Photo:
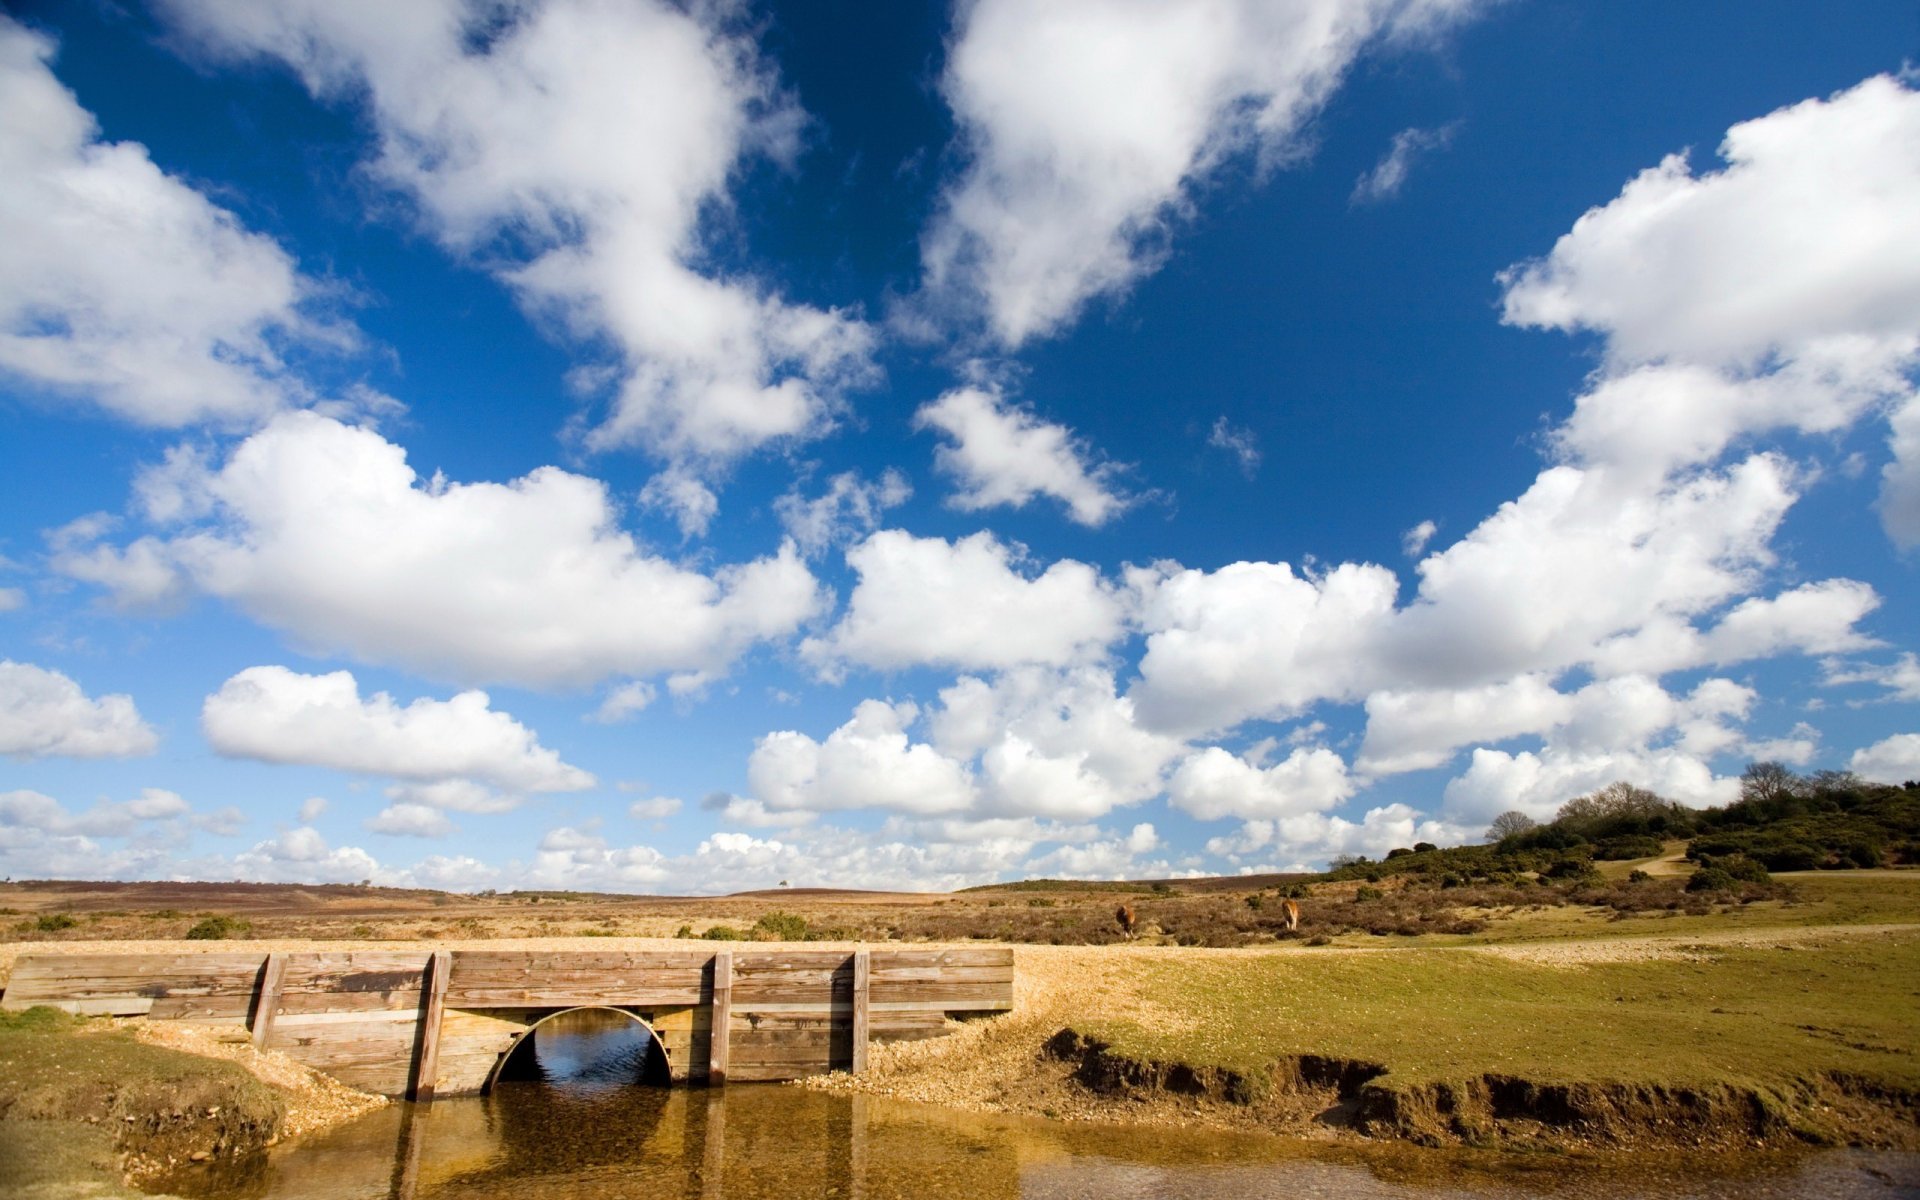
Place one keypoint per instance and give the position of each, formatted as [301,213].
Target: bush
[1423,847]
[685,931]
[213,929]
[1711,879]
[1621,848]
[724,933]
[780,927]
[1369,893]
[1638,876]
[55,922]
[1255,902]
[1568,868]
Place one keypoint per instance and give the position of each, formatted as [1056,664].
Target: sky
[684,448]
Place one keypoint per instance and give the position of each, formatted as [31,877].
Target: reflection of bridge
[413,1023]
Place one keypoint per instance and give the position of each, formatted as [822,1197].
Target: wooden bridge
[420,1024]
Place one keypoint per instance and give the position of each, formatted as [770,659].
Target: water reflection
[762,1142]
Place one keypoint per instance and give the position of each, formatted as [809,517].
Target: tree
[1510,824]
[1619,801]
[1768,782]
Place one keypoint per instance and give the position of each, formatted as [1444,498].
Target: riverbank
[1729,1039]
[100,1108]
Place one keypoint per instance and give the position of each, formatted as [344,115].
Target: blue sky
[612,444]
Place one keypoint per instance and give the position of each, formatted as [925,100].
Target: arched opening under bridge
[591,1047]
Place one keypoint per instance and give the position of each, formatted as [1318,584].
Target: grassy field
[1766,1015]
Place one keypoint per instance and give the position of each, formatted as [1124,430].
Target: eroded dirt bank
[1042,1059]
[94,1108]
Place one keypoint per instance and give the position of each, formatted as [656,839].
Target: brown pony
[1124,915]
[1290,915]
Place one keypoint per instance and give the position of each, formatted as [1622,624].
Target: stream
[570,1119]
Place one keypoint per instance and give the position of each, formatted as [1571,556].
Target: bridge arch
[658,1048]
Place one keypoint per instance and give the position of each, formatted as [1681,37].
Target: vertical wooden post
[268,1001]
[722,1017]
[433,1006]
[862,970]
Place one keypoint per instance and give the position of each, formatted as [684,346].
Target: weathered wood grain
[718,1039]
[267,1005]
[862,1014]
[433,1004]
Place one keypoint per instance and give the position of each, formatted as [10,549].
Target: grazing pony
[1124,915]
[1290,915]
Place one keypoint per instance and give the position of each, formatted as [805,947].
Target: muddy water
[579,1124]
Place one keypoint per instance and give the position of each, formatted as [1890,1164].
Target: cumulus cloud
[410,820]
[1782,291]
[1620,729]
[848,510]
[1214,783]
[322,530]
[869,762]
[1306,840]
[1384,181]
[1891,760]
[930,601]
[280,716]
[42,838]
[1414,541]
[1412,731]
[302,855]
[1087,123]
[45,714]
[501,124]
[1001,453]
[124,287]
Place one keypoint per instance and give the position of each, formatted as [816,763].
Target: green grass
[1764,1016]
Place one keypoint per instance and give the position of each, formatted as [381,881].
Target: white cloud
[322,530]
[1305,841]
[43,814]
[1002,453]
[1891,760]
[276,715]
[302,855]
[1901,677]
[311,808]
[122,286]
[1414,541]
[1782,291]
[848,510]
[690,503]
[867,763]
[1087,122]
[453,795]
[1900,478]
[624,701]
[1807,234]
[930,601]
[1254,639]
[45,714]
[1412,731]
[12,599]
[410,820]
[1618,729]
[1389,175]
[578,147]
[1214,783]
[654,808]
[1238,442]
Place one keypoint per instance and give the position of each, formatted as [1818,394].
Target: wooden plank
[433,1005]
[39,978]
[722,1017]
[354,971]
[862,973]
[267,1006]
[577,994]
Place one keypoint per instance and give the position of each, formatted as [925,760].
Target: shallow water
[583,1128]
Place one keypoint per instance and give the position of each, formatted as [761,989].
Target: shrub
[1040,902]
[685,931]
[1255,902]
[213,929]
[1423,847]
[1617,849]
[1568,868]
[1711,879]
[1369,893]
[1638,876]
[723,933]
[780,927]
[1398,852]
[55,922]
